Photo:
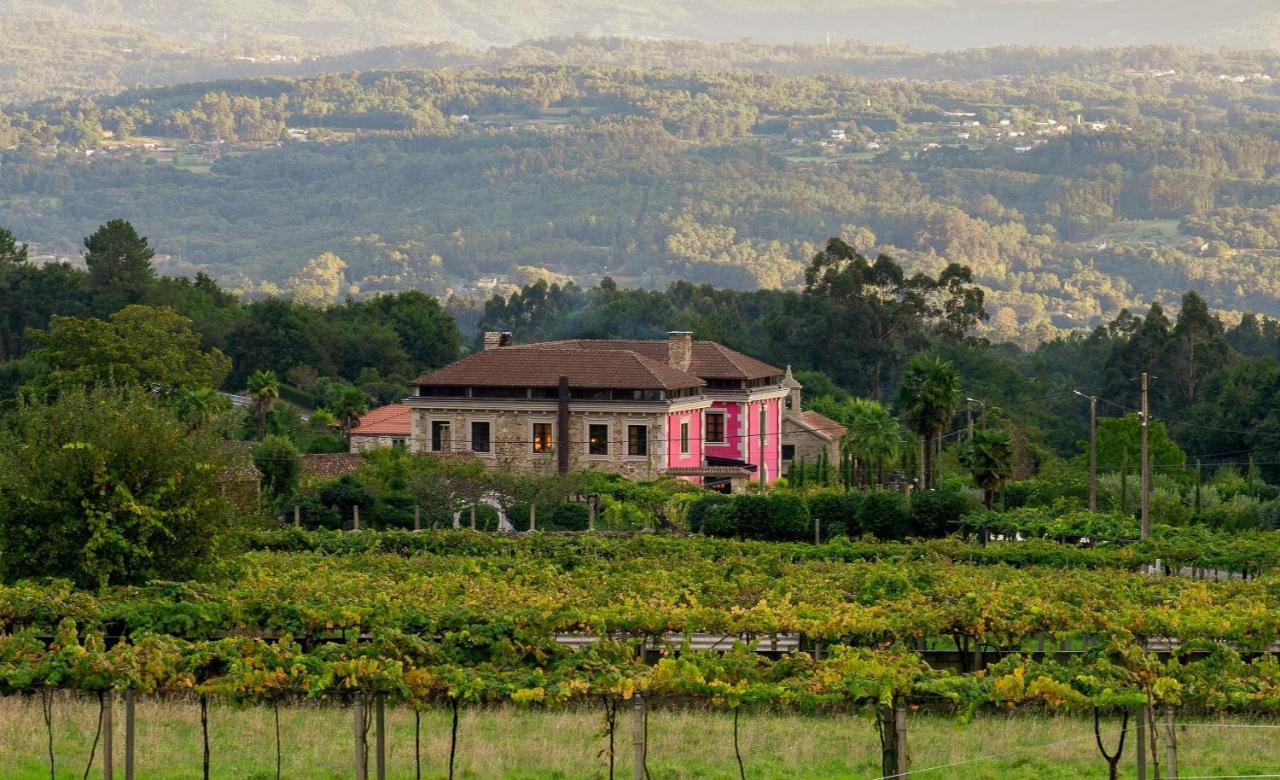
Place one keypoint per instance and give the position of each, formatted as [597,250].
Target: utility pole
[1146,460]
[1093,449]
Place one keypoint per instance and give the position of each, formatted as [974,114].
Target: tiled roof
[331,465]
[824,426]
[707,471]
[709,359]
[543,367]
[392,420]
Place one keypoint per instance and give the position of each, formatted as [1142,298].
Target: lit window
[541,437]
[598,439]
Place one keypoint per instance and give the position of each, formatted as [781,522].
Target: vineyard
[455,620]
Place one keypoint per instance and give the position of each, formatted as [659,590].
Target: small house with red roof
[386,426]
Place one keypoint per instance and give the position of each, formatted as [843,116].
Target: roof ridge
[649,364]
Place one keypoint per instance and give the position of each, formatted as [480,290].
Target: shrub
[393,511]
[937,512]
[278,464]
[347,492]
[835,513]
[751,515]
[885,515]
[721,520]
[313,514]
[788,518]
[568,517]
[701,509]
[107,487]
[1269,515]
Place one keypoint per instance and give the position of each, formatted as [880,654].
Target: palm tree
[348,406]
[928,397]
[874,437]
[199,406]
[989,457]
[264,389]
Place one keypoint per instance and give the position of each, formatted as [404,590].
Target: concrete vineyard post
[1141,735]
[357,722]
[380,726]
[417,517]
[297,516]
[638,734]
[900,737]
[108,736]
[355,517]
[128,734]
[1170,745]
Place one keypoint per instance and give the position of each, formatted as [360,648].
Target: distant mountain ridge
[330,26]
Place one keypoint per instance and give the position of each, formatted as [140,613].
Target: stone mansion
[696,410]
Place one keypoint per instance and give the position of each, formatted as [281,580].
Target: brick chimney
[680,350]
[494,338]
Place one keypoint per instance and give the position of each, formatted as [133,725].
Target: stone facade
[512,435]
[361,443]
[804,444]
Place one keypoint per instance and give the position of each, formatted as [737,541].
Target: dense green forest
[850,331]
[1072,193]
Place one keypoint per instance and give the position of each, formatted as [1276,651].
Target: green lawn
[510,743]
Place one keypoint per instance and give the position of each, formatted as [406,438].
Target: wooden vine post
[355,517]
[128,734]
[900,736]
[297,516]
[417,517]
[891,722]
[639,737]
[380,739]
[108,736]
[357,722]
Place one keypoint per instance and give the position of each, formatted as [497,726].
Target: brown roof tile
[707,471]
[543,367]
[710,360]
[330,465]
[392,420]
[824,426]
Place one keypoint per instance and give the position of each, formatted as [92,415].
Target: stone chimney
[494,339]
[680,350]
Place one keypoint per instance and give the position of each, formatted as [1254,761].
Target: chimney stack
[680,350]
[494,339]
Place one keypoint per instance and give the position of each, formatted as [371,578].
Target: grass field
[511,743]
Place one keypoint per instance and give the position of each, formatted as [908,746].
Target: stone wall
[512,438]
[809,445]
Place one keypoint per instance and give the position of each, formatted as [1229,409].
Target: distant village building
[388,426]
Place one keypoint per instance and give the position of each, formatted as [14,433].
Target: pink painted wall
[732,448]
[772,441]
[741,425]
[694,456]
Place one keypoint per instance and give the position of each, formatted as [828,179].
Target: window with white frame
[481,436]
[715,428]
[542,438]
[598,439]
